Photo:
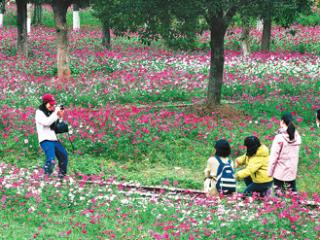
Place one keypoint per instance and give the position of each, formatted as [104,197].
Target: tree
[283,12]
[266,30]
[60,8]
[160,17]
[22,42]
[245,35]
[218,20]
[37,12]
[113,14]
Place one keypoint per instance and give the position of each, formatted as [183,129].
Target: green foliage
[8,48]
[309,20]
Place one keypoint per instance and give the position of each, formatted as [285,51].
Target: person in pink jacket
[284,156]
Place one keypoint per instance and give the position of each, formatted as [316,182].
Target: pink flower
[264,221]
[3,198]
[166,182]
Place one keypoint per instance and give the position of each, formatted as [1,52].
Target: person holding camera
[47,119]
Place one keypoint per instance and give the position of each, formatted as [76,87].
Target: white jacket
[43,125]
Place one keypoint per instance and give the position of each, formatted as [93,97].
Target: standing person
[219,171]
[255,172]
[284,157]
[46,117]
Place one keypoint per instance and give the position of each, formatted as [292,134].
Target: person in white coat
[46,116]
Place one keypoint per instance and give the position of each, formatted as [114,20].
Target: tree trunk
[37,13]
[22,41]
[218,29]
[2,10]
[60,15]
[106,39]
[76,18]
[29,16]
[266,33]
[245,37]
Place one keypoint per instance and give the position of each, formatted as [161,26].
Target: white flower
[31,209]
[26,141]
[124,201]
[71,196]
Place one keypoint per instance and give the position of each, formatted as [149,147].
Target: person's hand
[237,177]
[236,164]
[60,113]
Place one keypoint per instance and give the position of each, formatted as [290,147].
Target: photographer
[47,116]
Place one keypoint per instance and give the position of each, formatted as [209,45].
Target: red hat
[48,98]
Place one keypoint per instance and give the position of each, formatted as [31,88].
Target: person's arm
[274,154]
[212,167]
[211,172]
[42,119]
[241,160]
[252,167]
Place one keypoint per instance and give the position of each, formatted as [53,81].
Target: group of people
[260,169]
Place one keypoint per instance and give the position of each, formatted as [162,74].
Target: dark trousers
[284,186]
[53,149]
[247,180]
[260,188]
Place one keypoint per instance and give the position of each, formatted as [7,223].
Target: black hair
[45,110]
[288,120]
[318,114]
[252,143]
[222,148]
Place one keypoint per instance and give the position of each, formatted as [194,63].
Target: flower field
[75,209]
[136,114]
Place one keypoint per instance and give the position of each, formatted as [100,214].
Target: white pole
[1,20]
[29,13]
[76,21]
[259,26]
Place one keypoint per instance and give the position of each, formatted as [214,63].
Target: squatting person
[255,172]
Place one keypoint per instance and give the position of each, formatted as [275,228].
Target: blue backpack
[226,182]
